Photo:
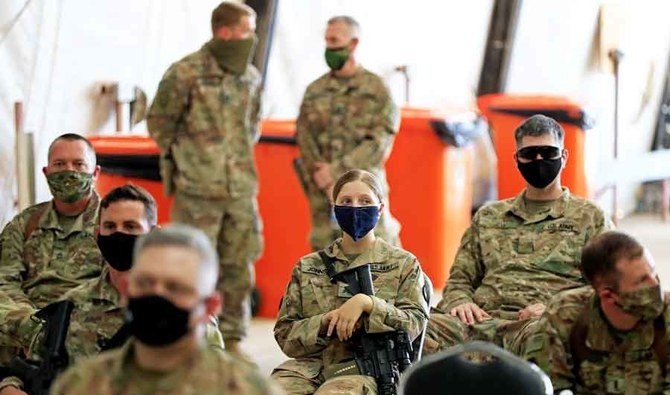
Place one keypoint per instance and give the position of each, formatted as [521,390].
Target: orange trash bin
[506,112]
[430,189]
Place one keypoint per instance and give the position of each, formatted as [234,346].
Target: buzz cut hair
[539,125]
[133,193]
[229,13]
[74,137]
[186,236]
[352,24]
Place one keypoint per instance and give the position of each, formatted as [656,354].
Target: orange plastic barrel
[506,112]
[430,191]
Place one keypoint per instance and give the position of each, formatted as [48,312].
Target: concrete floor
[650,230]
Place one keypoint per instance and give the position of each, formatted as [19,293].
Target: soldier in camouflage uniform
[517,252]
[205,119]
[171,295]
[347,121]
[313,308]
[50,248]
[610,337]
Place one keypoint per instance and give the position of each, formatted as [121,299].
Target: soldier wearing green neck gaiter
[205,119]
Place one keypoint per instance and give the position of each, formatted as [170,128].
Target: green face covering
[70,186]
[337,57]
[233,55]
[645,303]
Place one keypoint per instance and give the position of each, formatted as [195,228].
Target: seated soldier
[50,248]
[96,322]
[518,252]
[611,336]
[171,293]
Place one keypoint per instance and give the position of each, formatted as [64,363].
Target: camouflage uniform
[205,121]
[398,305]
[96,318]
[208,372]
[52,260]
[349,123]
[511,258]
[619,363]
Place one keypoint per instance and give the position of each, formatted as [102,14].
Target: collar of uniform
[126,353]
[518,207]
[103,289]
[346,83]
[601,335]
[378,253]
[84,222]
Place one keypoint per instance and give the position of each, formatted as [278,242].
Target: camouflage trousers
[294,382]
[445,331]
[235,228]
[325,228]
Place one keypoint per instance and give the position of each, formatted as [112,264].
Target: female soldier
[317,317]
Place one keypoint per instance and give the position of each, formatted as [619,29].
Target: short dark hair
[73,137]
[601,254]
[229,14]
[136,194]
[539,125]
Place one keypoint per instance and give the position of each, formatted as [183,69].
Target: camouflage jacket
[40,269]
[205,121]
[619,363]
[398,304]
[509,258]
[208,372]
[349,123]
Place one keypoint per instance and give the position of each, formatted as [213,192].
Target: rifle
[383,356]
[38,376]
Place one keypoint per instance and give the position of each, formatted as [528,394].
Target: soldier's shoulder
[318,84]
[492,212]
[94,366]
[396,253]
[373,81]
[311,264]
[252,73]
[22,218]
[190,65]
[580,205]
[239,374]
[568,304]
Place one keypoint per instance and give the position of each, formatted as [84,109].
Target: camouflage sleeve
[309,150]
[73,380]
[12,265]
[376,140]
[18,327]
[167,109]
[255,118]
[409,312]
[548,348]
[466,273]
[297,336]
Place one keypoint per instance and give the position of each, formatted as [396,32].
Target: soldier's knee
[363,385]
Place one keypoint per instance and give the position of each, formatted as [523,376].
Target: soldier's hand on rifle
[345,318]
[12,391]
[469,313]
[322,176]
[534,310]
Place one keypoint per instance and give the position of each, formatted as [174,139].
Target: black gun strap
[330,266]
[117,340]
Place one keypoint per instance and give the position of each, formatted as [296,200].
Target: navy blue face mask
[357,221]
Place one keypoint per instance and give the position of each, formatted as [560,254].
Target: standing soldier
[205,120]
[347,121]
[50,248]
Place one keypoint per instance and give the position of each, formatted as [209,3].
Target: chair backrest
[449,372]
[417,344]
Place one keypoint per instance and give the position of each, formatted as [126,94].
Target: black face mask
[117,249]
[155,321]
[540,172]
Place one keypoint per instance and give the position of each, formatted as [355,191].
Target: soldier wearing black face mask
[517,252]
[97,321]
[171,293]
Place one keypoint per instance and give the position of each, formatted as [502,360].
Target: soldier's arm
[297,335]
[12,265]
[167,109]
[305,136]
[408,313]
[467,272]
[255,116]
[376,139]
[548,349]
